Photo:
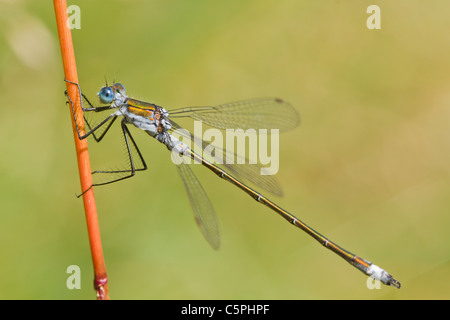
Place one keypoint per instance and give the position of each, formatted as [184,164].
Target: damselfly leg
[103,127]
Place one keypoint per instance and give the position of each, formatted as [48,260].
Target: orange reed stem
[84,168]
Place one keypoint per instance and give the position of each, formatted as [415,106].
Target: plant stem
[70,73]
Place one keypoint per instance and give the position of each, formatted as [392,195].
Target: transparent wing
[203,210]
[261,113]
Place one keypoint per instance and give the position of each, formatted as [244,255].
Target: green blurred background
[368,167]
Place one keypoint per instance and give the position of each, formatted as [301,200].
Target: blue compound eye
[120,88]
[106,95]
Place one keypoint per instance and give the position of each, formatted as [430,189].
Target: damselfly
[265,113]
